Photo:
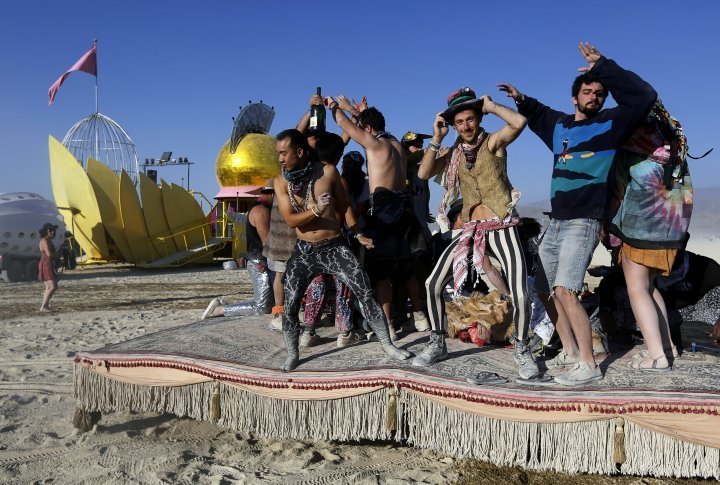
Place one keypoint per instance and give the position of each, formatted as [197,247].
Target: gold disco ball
[254,161]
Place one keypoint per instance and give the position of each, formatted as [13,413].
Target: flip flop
[485,378]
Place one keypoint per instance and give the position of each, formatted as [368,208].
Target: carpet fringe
[659,455]
[577,447]
[581,447]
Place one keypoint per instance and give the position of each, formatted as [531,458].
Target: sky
[174,73]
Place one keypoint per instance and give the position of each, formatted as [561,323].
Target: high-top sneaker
[434,352]
[527,367]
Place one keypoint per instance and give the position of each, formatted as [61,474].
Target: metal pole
[97,104]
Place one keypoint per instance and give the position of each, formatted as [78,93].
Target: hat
[455,208]
[268,188]
[47,227]
[461,100]
[353,156]
[411,136]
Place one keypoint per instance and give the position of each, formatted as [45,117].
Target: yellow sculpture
[254,161]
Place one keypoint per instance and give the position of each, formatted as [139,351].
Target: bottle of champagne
[317,117]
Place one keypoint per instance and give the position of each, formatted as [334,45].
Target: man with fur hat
[476,167]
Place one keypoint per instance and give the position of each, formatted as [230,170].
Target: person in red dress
[46,268]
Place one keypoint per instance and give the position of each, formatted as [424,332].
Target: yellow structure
[110,223]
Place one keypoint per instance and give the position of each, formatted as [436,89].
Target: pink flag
[87,63]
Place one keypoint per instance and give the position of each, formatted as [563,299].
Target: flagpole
[97,109]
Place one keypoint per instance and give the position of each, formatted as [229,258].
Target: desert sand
[100,305]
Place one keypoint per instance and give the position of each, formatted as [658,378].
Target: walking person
[46,266]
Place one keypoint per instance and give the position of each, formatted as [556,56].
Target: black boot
[292,338]
[381,331]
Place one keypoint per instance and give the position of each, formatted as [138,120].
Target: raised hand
[315,100]
[591,55]
[344,103]
[440,127]
[361,106]
[510,91]
[366,241]
[487,103]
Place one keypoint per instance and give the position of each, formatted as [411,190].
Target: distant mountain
[705,219]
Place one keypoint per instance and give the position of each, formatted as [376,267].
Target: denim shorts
[565,253]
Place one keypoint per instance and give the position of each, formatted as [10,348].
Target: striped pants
[505,246]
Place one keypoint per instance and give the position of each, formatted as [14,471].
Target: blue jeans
[565,252]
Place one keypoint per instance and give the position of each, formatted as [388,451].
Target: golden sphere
[254,161]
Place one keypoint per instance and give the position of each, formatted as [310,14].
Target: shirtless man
[391,222]
[311,199]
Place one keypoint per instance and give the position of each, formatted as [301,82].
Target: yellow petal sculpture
[75,197]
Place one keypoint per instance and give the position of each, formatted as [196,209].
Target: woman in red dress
[46,268]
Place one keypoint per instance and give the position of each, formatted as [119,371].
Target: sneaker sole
[578,383]
[439,359]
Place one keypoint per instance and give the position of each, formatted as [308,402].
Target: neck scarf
[452,181]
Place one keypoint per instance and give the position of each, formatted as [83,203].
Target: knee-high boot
[292,338]
[381,331]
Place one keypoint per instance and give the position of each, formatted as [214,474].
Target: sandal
[643,354]
[637,364]
[483,378]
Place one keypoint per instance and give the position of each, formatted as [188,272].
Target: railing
[184,235]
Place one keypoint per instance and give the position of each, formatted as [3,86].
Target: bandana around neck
[452,185]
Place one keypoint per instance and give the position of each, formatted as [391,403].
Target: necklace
[292,191]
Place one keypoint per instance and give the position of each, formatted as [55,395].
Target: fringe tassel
[215,403]
[94,392]
[392,418]
[619,448]
[659,455]
[348,419]
[584,447]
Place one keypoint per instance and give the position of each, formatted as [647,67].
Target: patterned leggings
[316,299]
[505,245]
[331,257]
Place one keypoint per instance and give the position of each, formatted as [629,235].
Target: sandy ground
[97,306]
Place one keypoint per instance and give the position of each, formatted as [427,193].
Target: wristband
[434,146]
[359,235]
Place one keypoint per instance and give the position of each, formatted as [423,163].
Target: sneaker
[214,303]
[276,322]
[434,352]
[527,367]
[349,339]
[421,322]
[579,374]
[562,361]
[308,339]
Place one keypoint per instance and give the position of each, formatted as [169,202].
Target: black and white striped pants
[505,246]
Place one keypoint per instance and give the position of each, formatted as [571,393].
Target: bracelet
[434,146]
[317,214]
[359,235]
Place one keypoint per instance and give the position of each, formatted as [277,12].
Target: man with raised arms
[584,146]
[311,199]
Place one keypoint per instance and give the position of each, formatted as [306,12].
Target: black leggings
[505,245]
[331,257]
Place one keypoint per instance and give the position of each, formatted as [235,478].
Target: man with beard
[584,145]
[311,198]
[476,169]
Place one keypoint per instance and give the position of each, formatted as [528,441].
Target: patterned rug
[248,341]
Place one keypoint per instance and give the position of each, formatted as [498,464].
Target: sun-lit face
[289,156]
[590,100]
[467,124]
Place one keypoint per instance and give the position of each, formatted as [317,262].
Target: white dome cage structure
[101,138]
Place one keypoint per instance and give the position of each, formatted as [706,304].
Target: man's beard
[590,112]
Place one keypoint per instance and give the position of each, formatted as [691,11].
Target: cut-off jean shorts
[565,253]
